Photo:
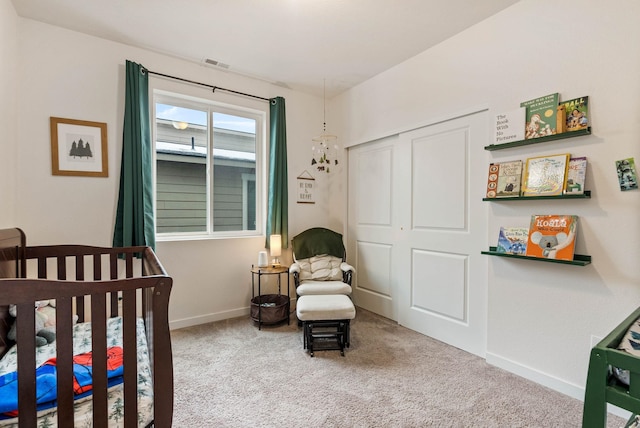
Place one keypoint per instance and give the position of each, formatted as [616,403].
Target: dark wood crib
[95,283]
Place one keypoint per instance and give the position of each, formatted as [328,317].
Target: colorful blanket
[46,381]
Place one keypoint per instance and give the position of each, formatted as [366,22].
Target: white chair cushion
[320,268]
[307,288]
[325,307]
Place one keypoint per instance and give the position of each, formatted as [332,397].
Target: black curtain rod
[214,88]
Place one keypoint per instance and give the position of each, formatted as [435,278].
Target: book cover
[509,179]
[513,240]
[541,116]
[627,177]
[545,175]
[509,126]
[492,180]
[552,236]
[577,113]
[576,175]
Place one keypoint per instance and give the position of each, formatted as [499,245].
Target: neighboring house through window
[208,168]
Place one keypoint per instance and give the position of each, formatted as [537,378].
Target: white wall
[541,315]
[9,141]
[71,75]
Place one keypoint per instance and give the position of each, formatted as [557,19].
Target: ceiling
[300,44]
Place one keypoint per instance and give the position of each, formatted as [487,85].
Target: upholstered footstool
[325,321]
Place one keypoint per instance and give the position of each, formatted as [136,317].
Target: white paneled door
[417,225]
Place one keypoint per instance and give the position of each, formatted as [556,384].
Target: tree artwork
[80,149]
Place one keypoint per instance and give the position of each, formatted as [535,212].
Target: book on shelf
[576,175]
[509,126]
[577,113]
[513,240]
[492,180]
[541,118]
[545,175]
[552,236]
[509,179]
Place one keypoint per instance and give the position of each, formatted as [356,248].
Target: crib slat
[130,358]
[62,268]
[64,349]
[26,364]
[42,267]
[113,270]
[99,347]
[80,277]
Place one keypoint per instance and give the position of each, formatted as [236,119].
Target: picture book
[513,240]
[545,175]
[509,126]
[552,236]
[492,180]
[541,116]
[627,176]
[576,174]
[577,113]
[509,179]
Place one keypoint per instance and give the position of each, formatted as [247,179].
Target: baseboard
[547,380]
[207,318]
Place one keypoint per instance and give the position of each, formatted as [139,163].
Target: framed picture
[79,148]
[305,190]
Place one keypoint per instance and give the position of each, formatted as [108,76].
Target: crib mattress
[83,413]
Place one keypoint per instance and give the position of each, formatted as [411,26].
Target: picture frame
[305,190]
[78,148]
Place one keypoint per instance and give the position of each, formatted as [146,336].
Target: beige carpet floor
[230,374]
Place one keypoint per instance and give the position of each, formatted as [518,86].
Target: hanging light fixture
[325,146]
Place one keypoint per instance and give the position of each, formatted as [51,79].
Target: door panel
[438,284]
[439,180]
[374,273]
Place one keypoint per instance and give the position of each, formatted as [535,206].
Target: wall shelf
[578,259]
[539,140]
[586,195]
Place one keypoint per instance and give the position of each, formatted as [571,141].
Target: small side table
[269,308]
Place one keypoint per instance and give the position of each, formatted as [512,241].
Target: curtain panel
[278,202]
[135,222]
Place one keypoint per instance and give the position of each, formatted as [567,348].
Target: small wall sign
[306,187]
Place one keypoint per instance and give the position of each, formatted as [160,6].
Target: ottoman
[325,321]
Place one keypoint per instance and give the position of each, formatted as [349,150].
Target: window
[208,168]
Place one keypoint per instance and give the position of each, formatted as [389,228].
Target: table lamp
[275,247]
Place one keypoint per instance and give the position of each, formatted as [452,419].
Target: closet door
[417,226]
[443,275]
[373,206]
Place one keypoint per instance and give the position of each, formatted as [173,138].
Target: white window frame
[260,116]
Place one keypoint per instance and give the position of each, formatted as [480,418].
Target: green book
[541,116]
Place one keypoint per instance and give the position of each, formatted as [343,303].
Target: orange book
[552,236]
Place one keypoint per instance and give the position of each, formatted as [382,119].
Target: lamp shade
[275,244]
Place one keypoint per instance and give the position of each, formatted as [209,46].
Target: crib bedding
[47,417]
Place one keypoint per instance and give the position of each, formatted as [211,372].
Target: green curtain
[278,203]
[135,223]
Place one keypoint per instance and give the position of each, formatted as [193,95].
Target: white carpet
[230,374]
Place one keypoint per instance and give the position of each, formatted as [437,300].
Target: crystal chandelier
[325,146]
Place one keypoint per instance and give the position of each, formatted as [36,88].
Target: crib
[105,287]
[603,386]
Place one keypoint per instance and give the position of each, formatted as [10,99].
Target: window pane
[181,169]
[234,171]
